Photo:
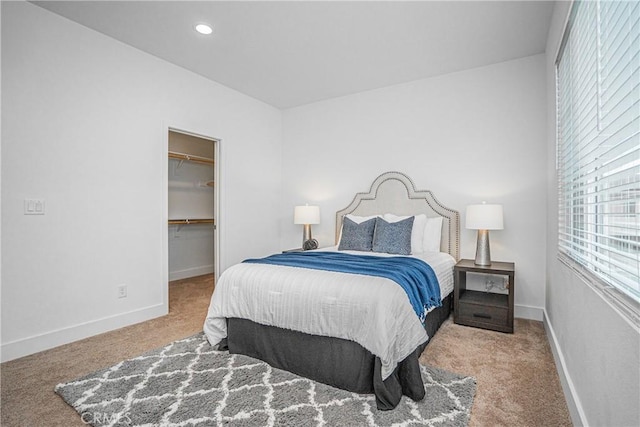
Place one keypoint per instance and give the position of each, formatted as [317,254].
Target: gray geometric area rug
[187,383]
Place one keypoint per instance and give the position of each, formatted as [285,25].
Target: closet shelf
[191,221]
[190,157]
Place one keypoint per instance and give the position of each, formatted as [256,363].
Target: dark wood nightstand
[482,309]
[293,250]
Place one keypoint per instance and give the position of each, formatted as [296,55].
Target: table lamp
[307,215]
[483,218]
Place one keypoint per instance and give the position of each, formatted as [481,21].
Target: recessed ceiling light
[204,29]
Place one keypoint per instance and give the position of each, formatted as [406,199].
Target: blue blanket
[415,276]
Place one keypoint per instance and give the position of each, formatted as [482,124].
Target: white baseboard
[190,272]
[573,402]
[528,312]
[26,346]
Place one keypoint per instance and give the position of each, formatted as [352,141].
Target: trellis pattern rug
[187,383]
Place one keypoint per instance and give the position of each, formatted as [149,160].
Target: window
[598,112]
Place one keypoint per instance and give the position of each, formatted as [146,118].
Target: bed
[355,332]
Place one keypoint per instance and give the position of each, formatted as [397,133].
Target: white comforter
[375,312]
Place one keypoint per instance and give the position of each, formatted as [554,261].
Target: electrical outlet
[122,291]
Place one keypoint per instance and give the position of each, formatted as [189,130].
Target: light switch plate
[34,206]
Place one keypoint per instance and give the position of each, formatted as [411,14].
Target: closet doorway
[192,199]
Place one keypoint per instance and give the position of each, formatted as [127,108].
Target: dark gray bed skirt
[335,361]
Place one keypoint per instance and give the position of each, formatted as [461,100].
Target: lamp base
[483,253]
[308,242]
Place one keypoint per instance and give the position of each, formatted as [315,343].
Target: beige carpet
[517,381]
[518,384]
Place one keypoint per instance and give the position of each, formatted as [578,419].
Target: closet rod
[190,157]
[191,221]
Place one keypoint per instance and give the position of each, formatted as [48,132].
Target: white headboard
[394,192]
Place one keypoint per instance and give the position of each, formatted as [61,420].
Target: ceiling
[293,53]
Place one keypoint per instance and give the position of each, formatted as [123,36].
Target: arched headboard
[395,192]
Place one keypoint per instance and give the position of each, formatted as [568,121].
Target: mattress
[373,312]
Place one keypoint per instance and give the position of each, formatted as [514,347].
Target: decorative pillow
[357,219]
[417,232]
[357,237]
[432,234]
[393,237]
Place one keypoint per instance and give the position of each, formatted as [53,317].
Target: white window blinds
[598,112]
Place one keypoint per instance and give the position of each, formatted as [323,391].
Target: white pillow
[417,232]
[360,219]
[432,234]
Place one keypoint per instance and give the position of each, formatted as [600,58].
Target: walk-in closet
[191,206]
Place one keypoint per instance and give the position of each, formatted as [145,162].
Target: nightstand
[293,250]
[483,309]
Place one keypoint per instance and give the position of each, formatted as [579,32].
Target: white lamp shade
[484,217]
[306,215]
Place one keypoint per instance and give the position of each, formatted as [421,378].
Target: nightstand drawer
[483,313]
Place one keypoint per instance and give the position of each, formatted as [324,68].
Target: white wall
[0,184]
[468,136]
[84,126]
[190,250]
[597,350]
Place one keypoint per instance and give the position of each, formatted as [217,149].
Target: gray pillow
[357,237]
[393,237]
